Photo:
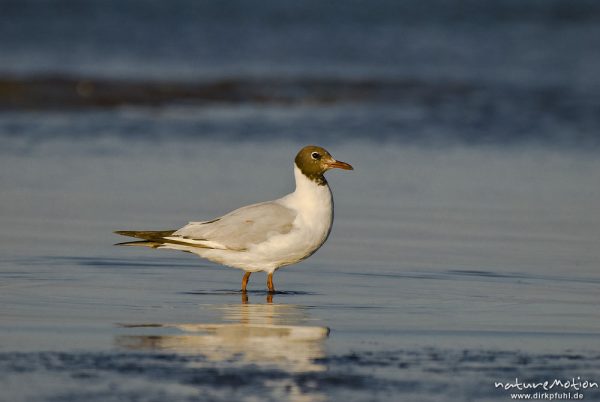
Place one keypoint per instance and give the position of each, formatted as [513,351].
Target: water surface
[465,245]
[446,270]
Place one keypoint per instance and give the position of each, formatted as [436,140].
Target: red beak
[339,165]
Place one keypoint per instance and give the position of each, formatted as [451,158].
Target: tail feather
[155,239]
[156,235]
[152,239]
[141,243]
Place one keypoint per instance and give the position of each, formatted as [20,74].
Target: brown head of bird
[313,161]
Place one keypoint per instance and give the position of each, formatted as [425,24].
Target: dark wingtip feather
[140,243]
[145,234]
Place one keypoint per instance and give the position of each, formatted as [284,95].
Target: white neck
[303,183]
[309,195]
[313,206]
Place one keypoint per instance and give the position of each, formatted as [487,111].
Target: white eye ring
[315,155]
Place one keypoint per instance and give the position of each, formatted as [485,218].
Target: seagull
[266,236]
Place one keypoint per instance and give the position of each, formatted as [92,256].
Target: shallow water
[447,270]
[465,246]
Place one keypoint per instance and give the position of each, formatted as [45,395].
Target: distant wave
[409,111]
[62,91]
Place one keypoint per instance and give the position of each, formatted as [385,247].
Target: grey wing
[241,228]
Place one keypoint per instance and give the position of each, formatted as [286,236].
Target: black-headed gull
[264,236]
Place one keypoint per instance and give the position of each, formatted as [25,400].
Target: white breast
[314,206]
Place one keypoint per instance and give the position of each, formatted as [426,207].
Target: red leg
[245,281]
[270,283]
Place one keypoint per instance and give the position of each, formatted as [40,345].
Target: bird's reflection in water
[262,334]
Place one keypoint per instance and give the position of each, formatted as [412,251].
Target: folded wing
[239,229]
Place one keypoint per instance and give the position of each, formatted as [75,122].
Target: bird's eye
[316,155]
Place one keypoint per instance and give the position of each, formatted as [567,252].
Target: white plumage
[264,236]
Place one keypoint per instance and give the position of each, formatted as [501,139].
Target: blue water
[499,72]
[464,250]
[530,43]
